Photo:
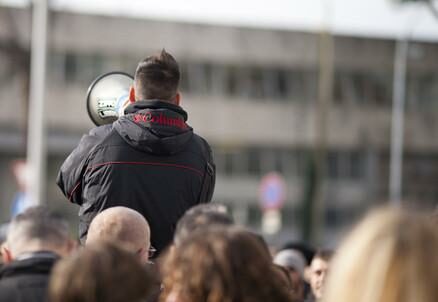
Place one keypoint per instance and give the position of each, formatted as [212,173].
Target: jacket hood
[155,126]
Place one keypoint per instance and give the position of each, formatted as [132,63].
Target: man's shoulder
[32,273]
[101,131]
[8,292]
[202,145]
[95,137]
[37,263]
[24,287]
[12,284]
[200,140]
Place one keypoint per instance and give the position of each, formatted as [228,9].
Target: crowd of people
[391,256]
[148,232]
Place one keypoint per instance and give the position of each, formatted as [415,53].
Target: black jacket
[148,160]
[27,280]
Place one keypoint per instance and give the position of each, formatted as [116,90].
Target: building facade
[253,93]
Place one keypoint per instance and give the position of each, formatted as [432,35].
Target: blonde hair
[391,256]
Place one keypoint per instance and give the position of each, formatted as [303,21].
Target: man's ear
[6,254]
[131,94]
[178,98]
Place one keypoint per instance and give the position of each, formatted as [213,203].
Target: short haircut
[157,77]
[324,254]
[200,217]
[121,225]
[37,223]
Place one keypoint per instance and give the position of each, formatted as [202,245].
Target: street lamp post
[397,124]
[36,147]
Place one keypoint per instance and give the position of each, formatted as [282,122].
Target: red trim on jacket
[147,164]
[74,189]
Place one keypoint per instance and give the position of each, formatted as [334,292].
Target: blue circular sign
[272,191]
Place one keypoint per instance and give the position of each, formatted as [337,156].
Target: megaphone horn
[107,97]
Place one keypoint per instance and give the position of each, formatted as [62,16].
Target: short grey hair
[37,224]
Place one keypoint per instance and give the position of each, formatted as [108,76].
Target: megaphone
[108,96]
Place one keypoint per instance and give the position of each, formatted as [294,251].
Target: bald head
[124,227]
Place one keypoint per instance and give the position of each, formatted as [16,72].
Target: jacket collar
[37,263]
[155,104]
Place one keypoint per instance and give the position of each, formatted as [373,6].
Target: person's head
[294,263]
[221,264]
[200,217]
[37,229]
[317,271]
[157,77]
[100,272]
[306,250]
[124,227]
[291,259]
[391,256]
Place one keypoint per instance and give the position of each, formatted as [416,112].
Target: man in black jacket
[148,160]
[36,239]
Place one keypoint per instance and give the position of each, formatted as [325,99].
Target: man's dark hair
[324,254]
[200,217]
[157,77]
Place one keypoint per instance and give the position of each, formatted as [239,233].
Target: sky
[375,18]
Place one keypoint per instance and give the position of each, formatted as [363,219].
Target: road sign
[271,221]
[272,191]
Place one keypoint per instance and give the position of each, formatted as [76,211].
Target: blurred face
[318,272]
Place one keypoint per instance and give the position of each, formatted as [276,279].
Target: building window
[255,161]
[345,164]
[70,68]
[422,90]
[249,82]
[82,68]
[362,88]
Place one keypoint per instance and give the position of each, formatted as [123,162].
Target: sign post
[272,195]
